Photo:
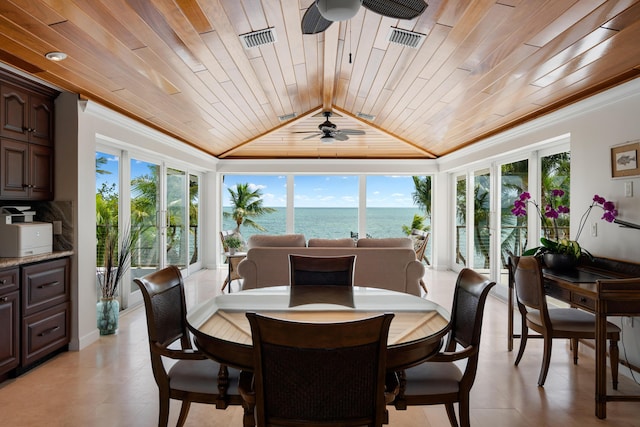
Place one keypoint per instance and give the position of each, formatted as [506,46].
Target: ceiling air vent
[258,38]
[366,116]
[405,38]
[287,117]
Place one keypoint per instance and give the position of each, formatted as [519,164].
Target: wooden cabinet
[26,115]
[27,171]
[45,309]
[9,320]
[34,313]
[26,139]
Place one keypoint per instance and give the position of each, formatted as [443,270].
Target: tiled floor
[110,383]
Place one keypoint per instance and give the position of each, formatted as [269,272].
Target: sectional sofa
[380,263]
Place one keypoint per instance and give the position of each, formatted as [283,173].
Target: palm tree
[422,195]
[246,204]
[417,223]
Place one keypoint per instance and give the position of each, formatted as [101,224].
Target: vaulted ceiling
[180,66]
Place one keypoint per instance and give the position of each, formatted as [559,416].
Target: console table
[602,286]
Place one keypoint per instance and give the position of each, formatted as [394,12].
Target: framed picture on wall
[624,160]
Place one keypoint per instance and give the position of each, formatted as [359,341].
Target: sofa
[380,263]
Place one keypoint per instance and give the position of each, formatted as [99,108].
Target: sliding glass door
[176,230]
[146,217]
[159,203]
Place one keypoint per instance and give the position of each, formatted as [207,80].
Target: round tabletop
[222,331]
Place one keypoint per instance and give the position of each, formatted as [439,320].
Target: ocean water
[331,223]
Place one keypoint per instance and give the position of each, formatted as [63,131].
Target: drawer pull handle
[48,285]
[48,331]
[4,299]
[3,281]
[583,299]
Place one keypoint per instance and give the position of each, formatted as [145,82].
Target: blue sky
[113,163]
[327,190]
[310,190]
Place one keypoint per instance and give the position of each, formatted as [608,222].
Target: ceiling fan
[329,132]
[322,13]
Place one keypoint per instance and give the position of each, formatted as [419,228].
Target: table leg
[229,274]
[510,318]
[601,363]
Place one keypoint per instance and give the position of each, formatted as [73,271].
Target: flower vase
[560,262]
[107,311]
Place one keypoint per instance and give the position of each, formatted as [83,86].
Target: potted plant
[116,261]
[233,243]
[561,253]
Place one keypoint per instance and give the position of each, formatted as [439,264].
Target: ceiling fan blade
[400,9]
[352,132]
[313,22]
[339,136]
[311,136]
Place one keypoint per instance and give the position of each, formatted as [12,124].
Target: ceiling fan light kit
[327,139]
[338,10]
[322,13]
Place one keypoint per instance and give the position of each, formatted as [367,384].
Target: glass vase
[107,312]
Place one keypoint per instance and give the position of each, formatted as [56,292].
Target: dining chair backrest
[321,270]
[529,286]
[471,292]
[329,374]
[164,300]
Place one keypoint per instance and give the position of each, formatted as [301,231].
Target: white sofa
[380,263]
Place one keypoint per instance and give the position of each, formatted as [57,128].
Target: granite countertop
[12,262]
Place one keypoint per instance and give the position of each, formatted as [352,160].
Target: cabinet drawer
[44,285]
[45,332]
[556,292]
[584,302]
[8,280]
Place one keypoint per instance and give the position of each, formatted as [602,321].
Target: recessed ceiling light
[56,56]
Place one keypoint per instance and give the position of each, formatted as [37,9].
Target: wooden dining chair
[440,380]
[550,323]
[421,241]
[193,377]
[319,374]
[321,270]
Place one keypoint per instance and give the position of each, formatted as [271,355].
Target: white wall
[66,183]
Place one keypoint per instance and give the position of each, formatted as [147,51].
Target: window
[555,174]
[325,206]
[391,209]
[461,221]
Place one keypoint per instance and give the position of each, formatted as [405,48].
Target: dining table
[221,329]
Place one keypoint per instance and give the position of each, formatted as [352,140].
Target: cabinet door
[15,112]
[9,329]
[14,164]
[40,120]
[41,173]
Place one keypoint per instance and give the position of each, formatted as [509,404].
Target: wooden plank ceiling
[180,66]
